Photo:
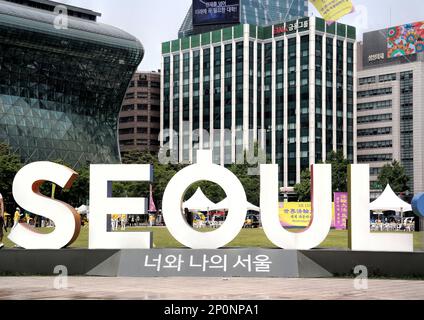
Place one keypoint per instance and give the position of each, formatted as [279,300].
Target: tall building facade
[390,108]
[255,12]
[61,86]
[139,120]
[290,88]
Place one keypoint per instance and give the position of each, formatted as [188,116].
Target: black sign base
[246,262]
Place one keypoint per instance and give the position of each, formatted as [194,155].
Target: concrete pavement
[17,288]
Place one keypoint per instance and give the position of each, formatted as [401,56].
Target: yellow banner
[296,214]
[333,10]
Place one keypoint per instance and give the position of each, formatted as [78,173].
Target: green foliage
[303,189]
[339,166]
[78,194]
[164,173]
[394,174]
[10,164]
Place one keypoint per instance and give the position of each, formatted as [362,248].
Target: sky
[154,22]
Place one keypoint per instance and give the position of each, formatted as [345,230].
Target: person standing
[17,217]
[27,218]
[123,222]
[2,227]
[115,218]
[189,217]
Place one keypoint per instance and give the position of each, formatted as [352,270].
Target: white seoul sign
[67,221]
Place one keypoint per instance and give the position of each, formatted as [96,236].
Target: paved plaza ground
[206,289]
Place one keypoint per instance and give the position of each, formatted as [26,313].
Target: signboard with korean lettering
[297,214]
[341,210]
[249,262]
[207,12]
[291,27]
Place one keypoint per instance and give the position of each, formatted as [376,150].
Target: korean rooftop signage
[291,27]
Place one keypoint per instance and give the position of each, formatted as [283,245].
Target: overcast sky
[154,22]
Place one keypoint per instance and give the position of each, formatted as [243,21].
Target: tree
[251,183]
[394,174]
[164,173]
[303,189]
[78,194]
[339,166]
[10,164]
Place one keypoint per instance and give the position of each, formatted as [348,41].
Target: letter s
[26,191]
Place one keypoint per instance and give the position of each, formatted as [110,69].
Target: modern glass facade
[256,12]
[272,86]
[61,89]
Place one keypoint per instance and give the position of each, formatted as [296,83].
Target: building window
[375,144]
[374,92]
[155,107]
[128,107]
[367,80]
[154,84]
[376,105]
[375,171]
[374,131]
[126,131]
[126,119]
[375,158]
[387,77]
[375,118]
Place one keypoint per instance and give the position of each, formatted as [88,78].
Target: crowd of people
[122,221]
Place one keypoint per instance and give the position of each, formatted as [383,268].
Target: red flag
[152,207]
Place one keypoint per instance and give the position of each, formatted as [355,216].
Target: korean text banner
[297,214]
[333,10]
[341,210]
[405,40]
[216,12]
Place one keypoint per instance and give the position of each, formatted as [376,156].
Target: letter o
[174,196]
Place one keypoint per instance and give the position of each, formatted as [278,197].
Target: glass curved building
[62,82]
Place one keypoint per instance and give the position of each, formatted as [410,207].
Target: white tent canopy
[224,205]
[83,209]
[389,201]
[199,202]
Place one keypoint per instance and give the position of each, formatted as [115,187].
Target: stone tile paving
[17,288]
